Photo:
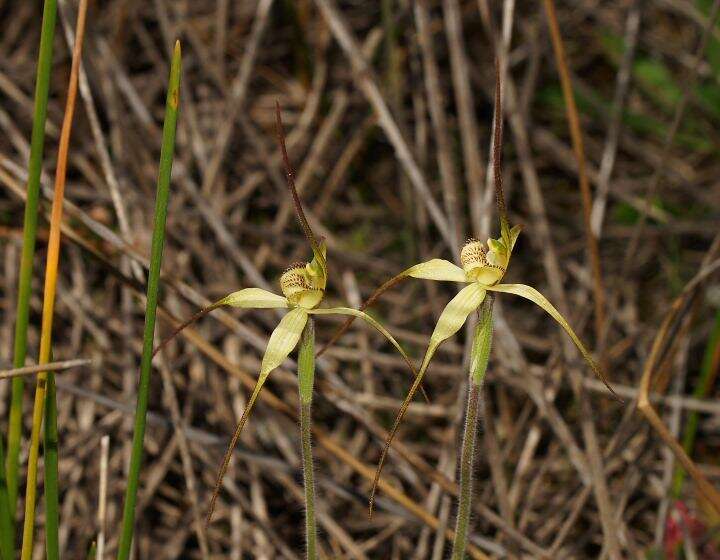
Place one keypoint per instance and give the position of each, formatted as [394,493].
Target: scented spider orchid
[303,287]
[483,266]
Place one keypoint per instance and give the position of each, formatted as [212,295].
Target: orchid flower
[483,266]
[303,287]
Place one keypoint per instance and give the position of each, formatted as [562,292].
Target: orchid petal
[283,339]
[451,320]
[436,269]
[254,298]
[530,293]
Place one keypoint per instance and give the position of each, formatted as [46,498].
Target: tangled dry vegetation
[391,162]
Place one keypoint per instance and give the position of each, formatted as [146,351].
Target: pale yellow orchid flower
[483,268]
[303,287]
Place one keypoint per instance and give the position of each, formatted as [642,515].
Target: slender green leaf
[37,144]
[52,260]
[306,363]
[158,240]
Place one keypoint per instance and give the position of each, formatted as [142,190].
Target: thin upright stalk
[22,312]
[708,373]
[306,379]
[7,531]
[482,341]
[578,147]
[52,490]
[51,273]
[158,241]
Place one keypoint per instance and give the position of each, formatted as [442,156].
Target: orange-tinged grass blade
[51,270]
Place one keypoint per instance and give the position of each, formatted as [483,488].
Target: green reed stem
[482,341]
[37,143]
[306,379]
[158,241]
[52,502]
[52,263]
[708,372]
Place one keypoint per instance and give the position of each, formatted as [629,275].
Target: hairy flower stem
[306,378]
[482,340]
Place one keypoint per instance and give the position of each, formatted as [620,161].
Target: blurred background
[388,111]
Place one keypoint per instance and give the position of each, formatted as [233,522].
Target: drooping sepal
[451,320]
[530,293]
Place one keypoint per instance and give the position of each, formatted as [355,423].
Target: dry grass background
[392,163]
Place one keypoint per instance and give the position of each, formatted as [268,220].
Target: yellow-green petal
[530,293]
[254,298]
[451,319]
[283,339]
[436,269]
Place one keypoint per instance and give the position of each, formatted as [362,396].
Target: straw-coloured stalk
[158,241]
[479,356]
[578,148]
[37,143]
[306,380]
[303,288]
[51,270]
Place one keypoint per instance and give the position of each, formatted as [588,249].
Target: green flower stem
[37,143]
[306,379]
[158,240]
[482,341]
